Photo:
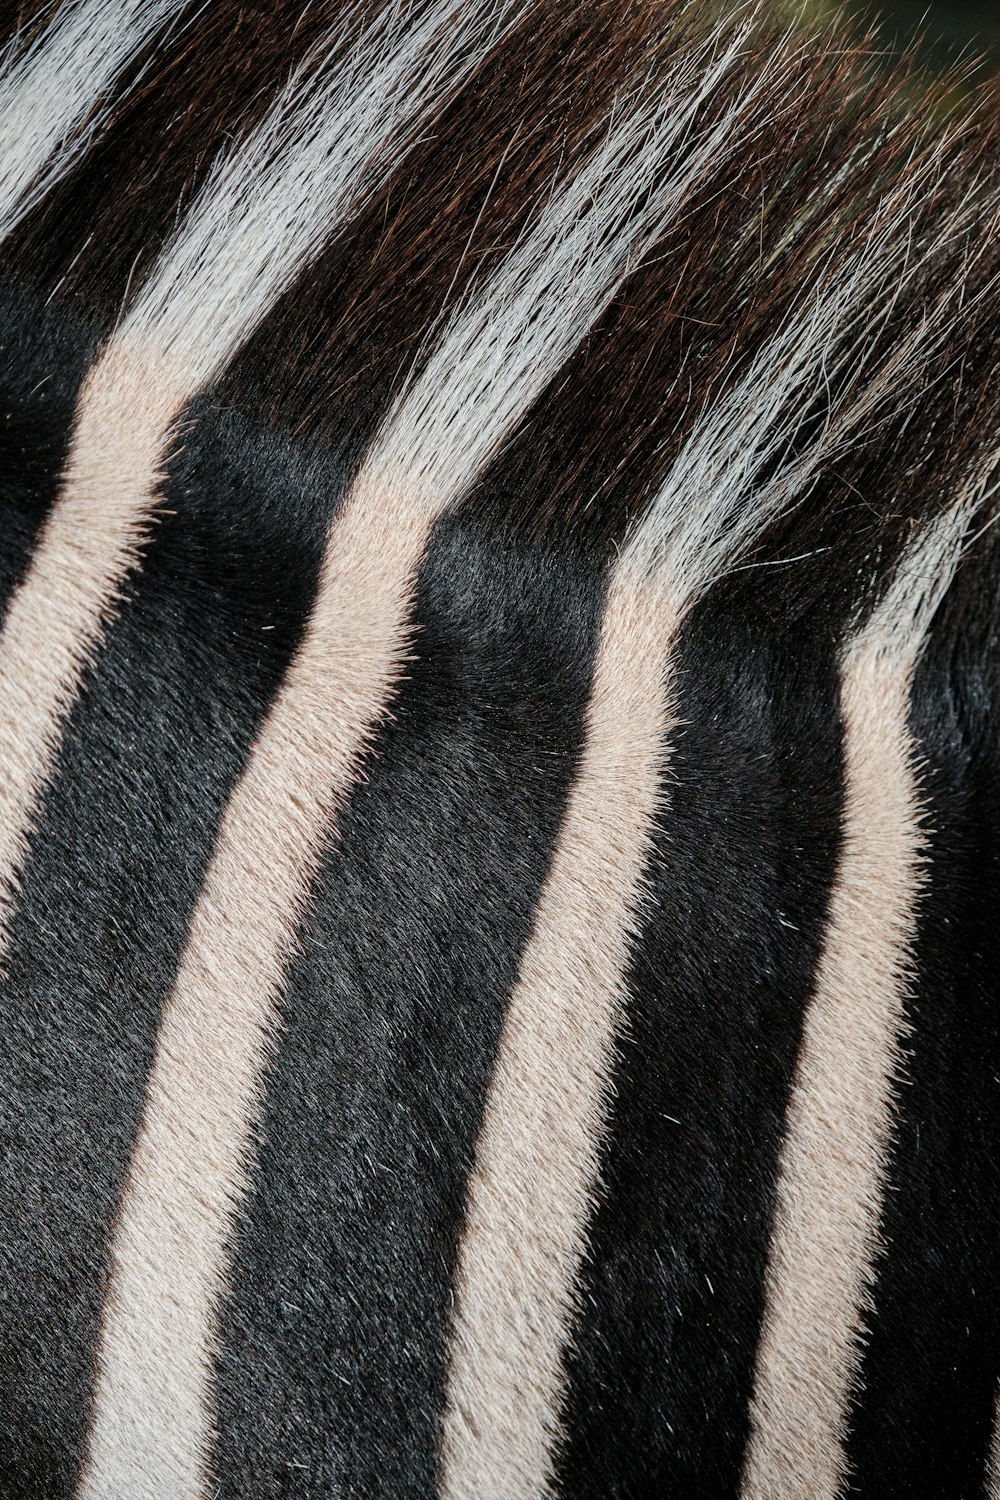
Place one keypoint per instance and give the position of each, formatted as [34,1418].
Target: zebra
[499,788]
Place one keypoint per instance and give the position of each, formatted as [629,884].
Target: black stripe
[154,745]
[334,1332]
[43,359]
[932,1362]
[662,1371]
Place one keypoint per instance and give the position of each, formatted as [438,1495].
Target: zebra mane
[413,170]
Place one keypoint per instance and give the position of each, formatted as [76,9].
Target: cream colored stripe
[152,1424]
[91,541]
[270,202]
[835,1157]
[531,1190]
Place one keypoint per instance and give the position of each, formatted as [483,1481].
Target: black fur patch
[44,356]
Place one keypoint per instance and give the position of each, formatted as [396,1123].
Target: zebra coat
[499,787]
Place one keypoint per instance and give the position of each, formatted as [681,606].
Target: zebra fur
[497,769]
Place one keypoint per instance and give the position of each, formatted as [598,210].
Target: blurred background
[950,30]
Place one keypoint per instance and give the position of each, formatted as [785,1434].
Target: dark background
[952,29]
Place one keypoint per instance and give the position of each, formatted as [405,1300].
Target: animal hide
[499,777]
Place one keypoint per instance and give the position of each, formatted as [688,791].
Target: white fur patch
[499,353]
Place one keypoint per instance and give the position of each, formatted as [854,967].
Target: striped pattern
[833,1168]
[55,88]
[498,787]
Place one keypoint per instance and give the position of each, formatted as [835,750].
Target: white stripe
[537,1155]
[829,348]
[835,1158]
[496,357]
[49,92]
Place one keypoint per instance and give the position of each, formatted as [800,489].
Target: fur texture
[498,774]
